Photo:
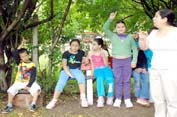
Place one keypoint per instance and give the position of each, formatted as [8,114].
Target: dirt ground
[69,107]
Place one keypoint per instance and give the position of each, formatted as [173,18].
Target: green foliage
[92,14]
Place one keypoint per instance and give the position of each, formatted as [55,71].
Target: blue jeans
[63,78]
[102,74]
[141,85]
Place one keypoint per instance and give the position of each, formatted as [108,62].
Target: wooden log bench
[24,99]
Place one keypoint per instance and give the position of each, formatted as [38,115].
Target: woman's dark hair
[22,50]
[100,41]
[169,14]
[120,21]
[74,40]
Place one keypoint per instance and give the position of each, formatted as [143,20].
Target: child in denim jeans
[141,80]
[71,62]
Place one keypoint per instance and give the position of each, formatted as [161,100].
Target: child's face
[95,45]
[24,56]
[120,28]
[74,47]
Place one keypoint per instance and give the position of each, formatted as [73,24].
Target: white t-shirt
[164,50]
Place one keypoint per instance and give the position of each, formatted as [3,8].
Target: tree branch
[146,5]
[136,1]
[61,25]
[44,20]
[39,22]
[126,17]
[147,11]
[15,22]
[31,8]
[3,12]
[165,3]
[15,7]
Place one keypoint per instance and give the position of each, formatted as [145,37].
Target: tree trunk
[3,84]
[50,55]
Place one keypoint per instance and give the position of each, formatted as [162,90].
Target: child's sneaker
[128,103]
[109,101]
[142,102]
[100,102]
[51,104]
[7,109]
[33,108]
[117,103]
[84,102]
[151,101]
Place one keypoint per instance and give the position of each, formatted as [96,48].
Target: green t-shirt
[125,47]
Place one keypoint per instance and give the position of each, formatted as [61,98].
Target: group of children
[125,57]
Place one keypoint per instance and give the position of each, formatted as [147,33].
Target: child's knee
[12,91]
[60,87]
[38,92]
[81,80]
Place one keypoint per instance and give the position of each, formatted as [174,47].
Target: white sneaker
[151,101]
[51,104]
[84,102]
[109,101]
[142,102]
[117,103]
[128,103]
[100,102]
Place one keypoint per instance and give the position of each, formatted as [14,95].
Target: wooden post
[89,88]
[35,42]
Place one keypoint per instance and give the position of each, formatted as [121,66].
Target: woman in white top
[163,75]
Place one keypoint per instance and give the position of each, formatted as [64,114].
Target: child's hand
[71,76]
[22,43]
[85,60]
[144,71]
[139,70]
[133,65]
[27,88]
[113,15]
